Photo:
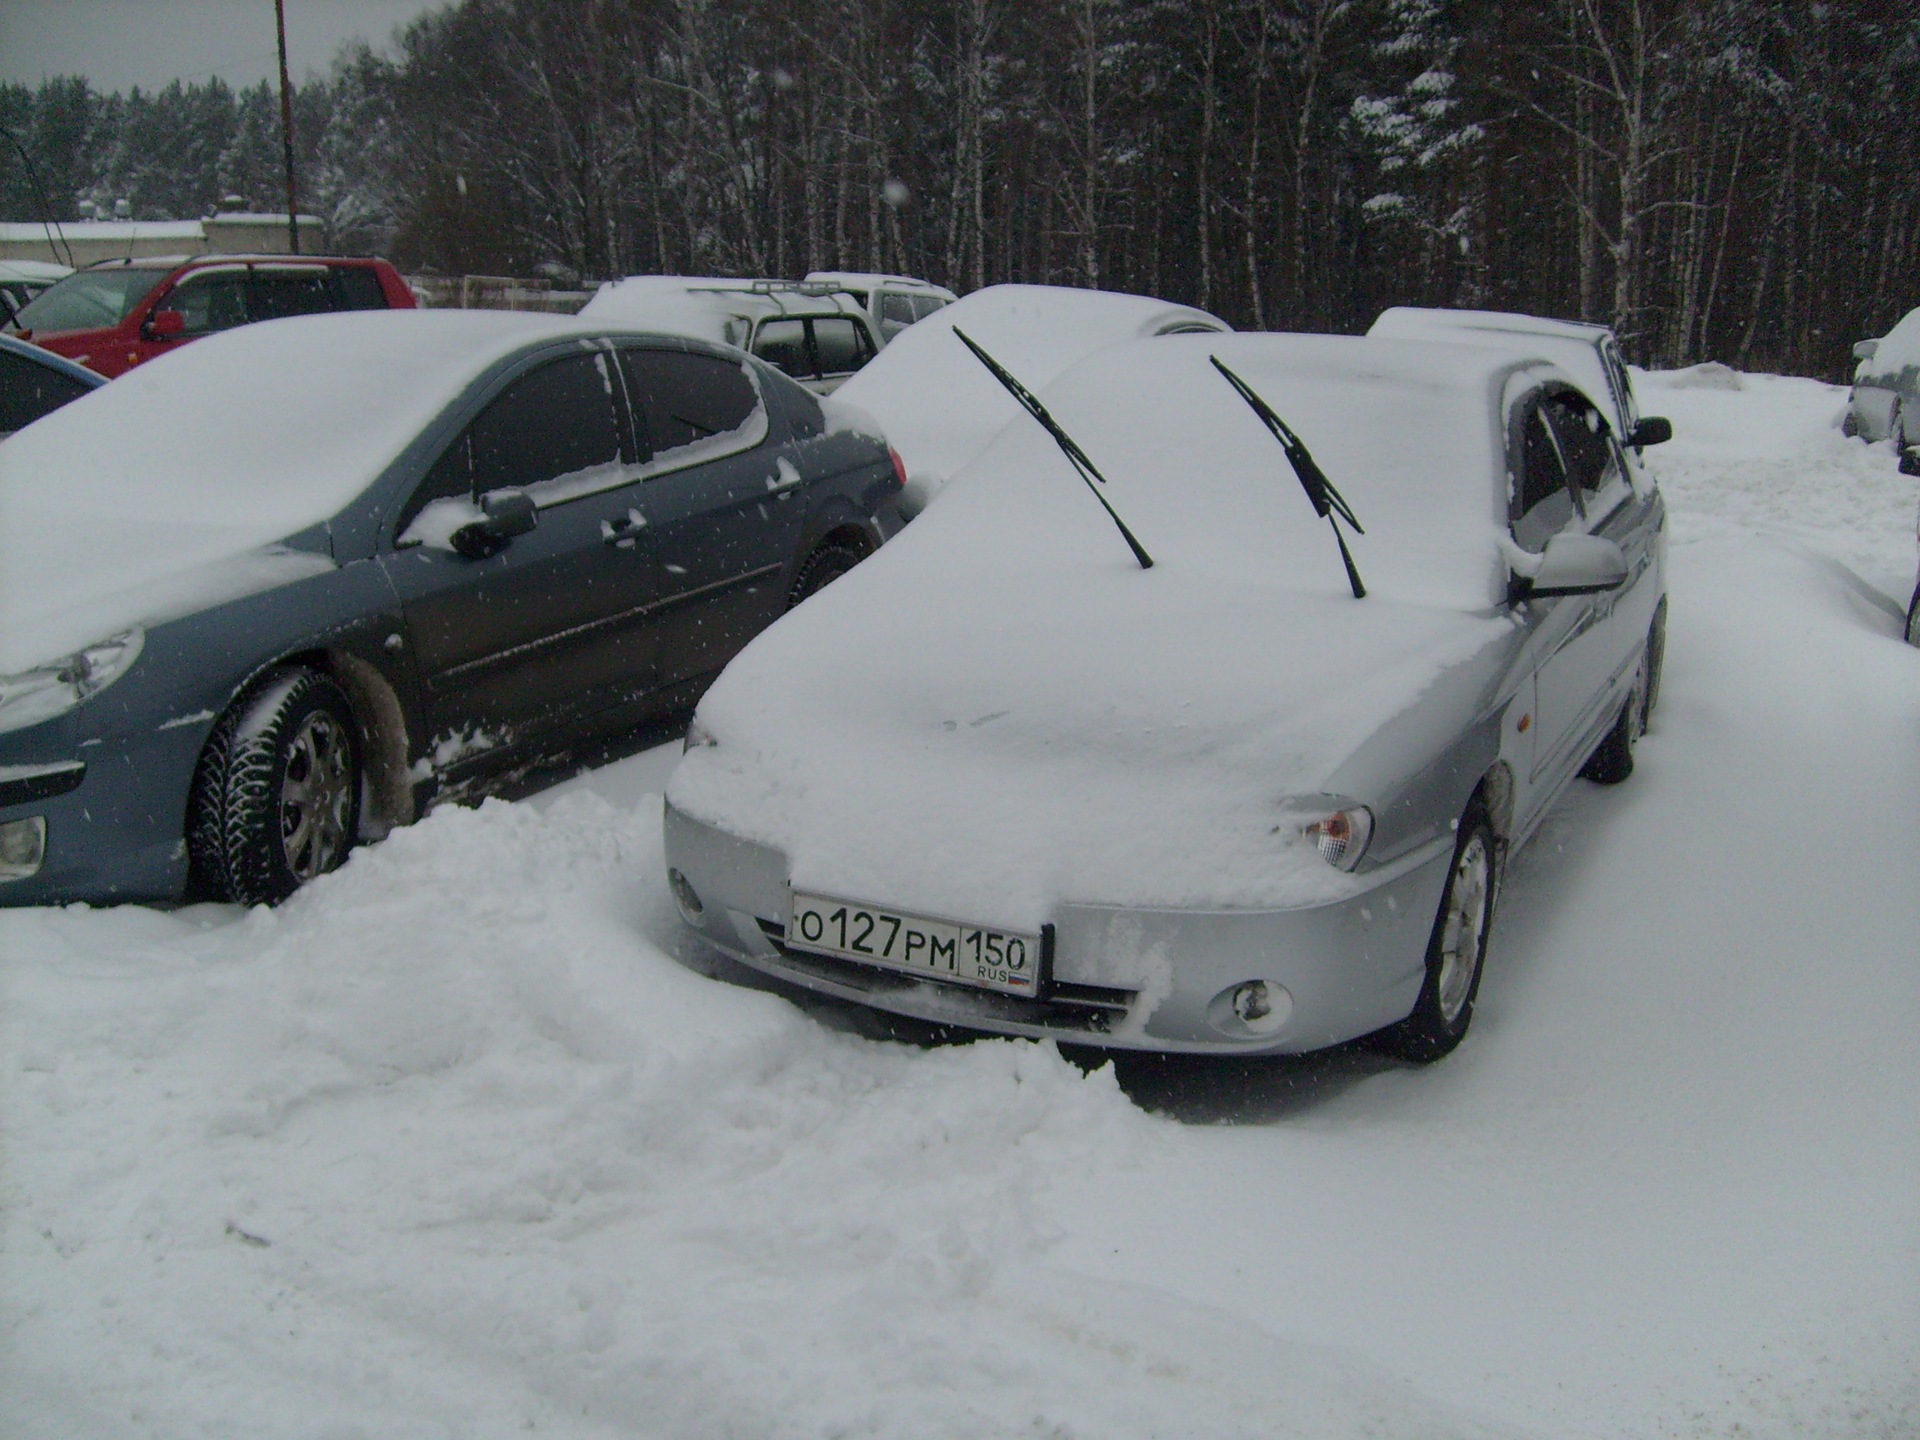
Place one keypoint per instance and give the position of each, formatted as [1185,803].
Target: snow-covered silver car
[1884,403]
[1235,766]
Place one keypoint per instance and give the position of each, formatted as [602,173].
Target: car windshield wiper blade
[1328,503]
[1075,455]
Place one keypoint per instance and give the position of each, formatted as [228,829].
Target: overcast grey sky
[118,44]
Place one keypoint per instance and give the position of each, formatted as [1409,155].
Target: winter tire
[276,801]
[826,564]
[1457,950]
[1612,761]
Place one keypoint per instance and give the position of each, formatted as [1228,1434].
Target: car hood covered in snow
[940,409]
[1001,711]
[173,484]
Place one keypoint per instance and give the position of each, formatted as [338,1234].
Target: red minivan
[112,316]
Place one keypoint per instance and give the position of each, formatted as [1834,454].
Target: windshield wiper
[1075,455]
[1328,503]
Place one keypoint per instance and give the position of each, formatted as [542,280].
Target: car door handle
[621,533]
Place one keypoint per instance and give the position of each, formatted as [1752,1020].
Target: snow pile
[445,1146]
[461,1142]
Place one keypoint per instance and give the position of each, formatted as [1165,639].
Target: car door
[1571,642]
[721,504]
[527,643]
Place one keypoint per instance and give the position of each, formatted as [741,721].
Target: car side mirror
[1865,349]
[1573,565]
[164,325]
[1652,430]
[503,515]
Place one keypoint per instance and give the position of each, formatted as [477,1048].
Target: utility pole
[286,129]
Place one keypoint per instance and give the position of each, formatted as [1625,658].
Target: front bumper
[1138,979]
[118,833]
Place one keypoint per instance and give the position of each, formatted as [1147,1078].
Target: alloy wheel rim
[1465,929]
[316,797]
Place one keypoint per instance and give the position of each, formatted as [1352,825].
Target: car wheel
[1655,660]
[276,802]
[1612,761]
[827,563]
[1456,951]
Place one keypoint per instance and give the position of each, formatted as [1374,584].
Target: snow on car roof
[1087,730]
[939,408]
[1570,344]
[703,307]
[214,451]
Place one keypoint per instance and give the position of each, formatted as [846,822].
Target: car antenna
[1078,457]
[1328,503]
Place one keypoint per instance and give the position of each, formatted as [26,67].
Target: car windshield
[90,300]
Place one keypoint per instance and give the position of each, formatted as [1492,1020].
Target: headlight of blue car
[53,689]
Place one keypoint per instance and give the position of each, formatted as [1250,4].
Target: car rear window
[89,300]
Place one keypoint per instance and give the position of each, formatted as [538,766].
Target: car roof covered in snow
[216,449]
[939,407]
[708,308]
[1571,344]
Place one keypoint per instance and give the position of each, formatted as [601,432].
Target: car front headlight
[53,689]
[1337,828]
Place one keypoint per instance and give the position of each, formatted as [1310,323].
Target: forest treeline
[1718,179]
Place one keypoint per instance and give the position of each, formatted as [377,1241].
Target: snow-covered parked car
[939,408]
[893,301]
[1884,403]
[816,334]
[282,589]
[1256,797]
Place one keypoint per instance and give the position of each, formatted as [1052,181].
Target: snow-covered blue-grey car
[281,590]
[1231,760]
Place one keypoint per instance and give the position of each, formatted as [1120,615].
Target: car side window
[925,305]
[1591,461]
[211,300]
[552,424]
[681,398]
[783,344]
[897,309]
[840,345]
[278,294]
[1544,505]
[29,390]
[354,287]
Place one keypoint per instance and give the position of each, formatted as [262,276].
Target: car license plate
[1002,960]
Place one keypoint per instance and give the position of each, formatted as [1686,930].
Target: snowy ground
[459,1143]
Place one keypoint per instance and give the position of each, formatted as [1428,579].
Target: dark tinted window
[683,397]
[356,287]
[1544,504]
[450,478]
[783,343]
[211,300]
[276,294]
[29,390]
[840,345]
[558,420]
